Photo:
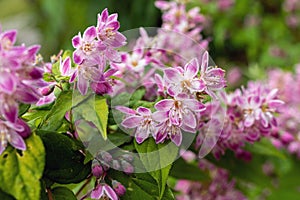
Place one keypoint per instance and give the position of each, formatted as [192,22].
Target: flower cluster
[219,187]
[287,134]
[250,115]
[292,8]
[94,49]
[19,79]
[181,108]
[100,169]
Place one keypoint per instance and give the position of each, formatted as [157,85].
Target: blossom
[119,188]
[9,133]
[103,191]
[87,47]
[213,77]
[141,119]
[184,80]
[107,30]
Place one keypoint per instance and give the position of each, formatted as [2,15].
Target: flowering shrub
[122,117]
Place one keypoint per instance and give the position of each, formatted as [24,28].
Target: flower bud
[116,164]
[127,157]
[26,132]
[47,90]
[127,167]
[286,138]
[97,170]
[106,157]
[118,188]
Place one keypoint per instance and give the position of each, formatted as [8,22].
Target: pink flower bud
[97,170]
[127,167]
[26,132]
[119,188]
[47,90]
[287,138]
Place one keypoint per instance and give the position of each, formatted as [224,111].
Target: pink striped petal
[76,41]
[110,192]
[194,105]
[164,105]
[177,138]
[143,111]
[98,192]
[82,85]
[10,35]
[160,116]
[189,119]
[104,15]
[7,83]
[126,110]
[132,121]
[191,69]
[17,141]
[112,17]
[173,75]
[73,76]
[65,66]
[10,111]
[89,34]
[205,60]
[78,57]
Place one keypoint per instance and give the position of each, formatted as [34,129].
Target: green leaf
[141,186]
[157,159]
[53,120]
[64,160]
[20,173]
[189,171]
[23,108]
[92,109]
[5,196]
[63,193]
[265,147]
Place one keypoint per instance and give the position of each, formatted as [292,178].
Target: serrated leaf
[63,193]
[64,161]
[157,159]
[91,109]
[20,173]
[53,120]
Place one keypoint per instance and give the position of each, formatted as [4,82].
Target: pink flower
[141,119]
[119,188]
[9,133]
[87,48]
[107,30]
[185,80]
[103,191]
[212,77]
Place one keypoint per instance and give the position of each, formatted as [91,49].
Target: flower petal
[97,193]
[205,60]
[104,15]
[89,34]
[17,141]
[7,82]
[65,66]
[189,119]
[10,111]
[160,116]
[126,110]
[177,138]
[110,192]
[191,69]
[82,85]
[143,111]
[76,41]
[164,105]
[132,121]
[173,75]
[194,105]
[78,57]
